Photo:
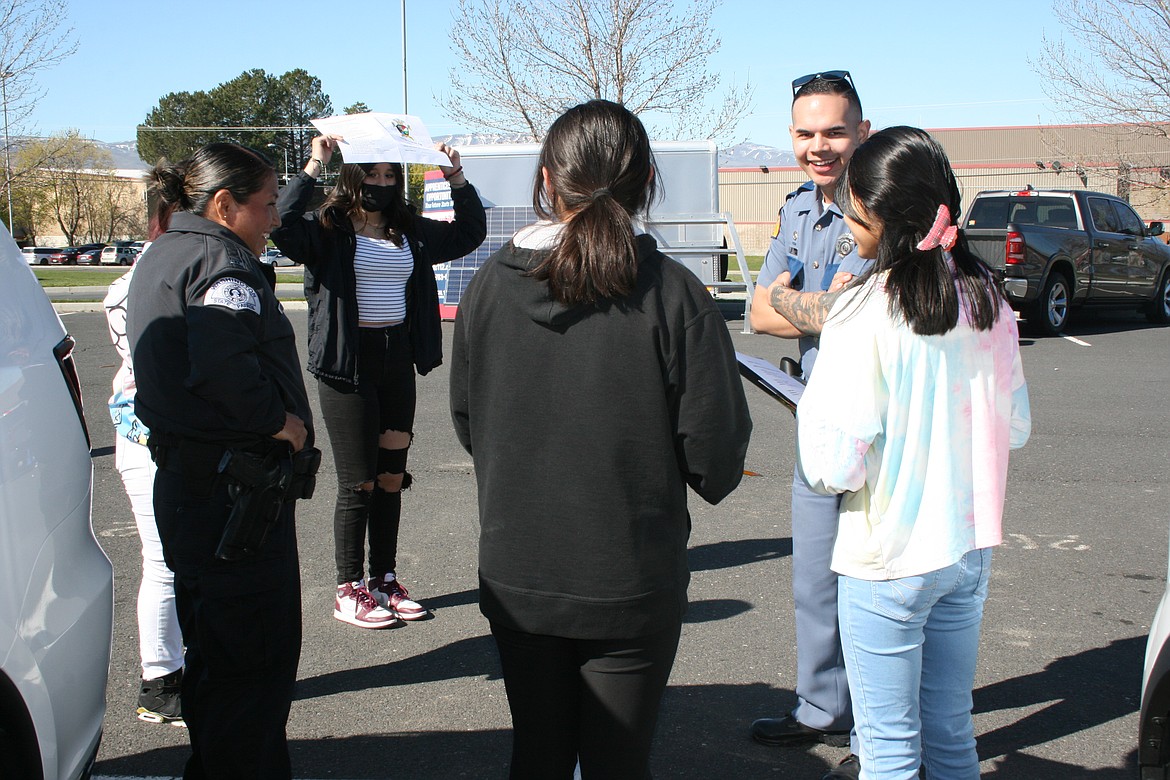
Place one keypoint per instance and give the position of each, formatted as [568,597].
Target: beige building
[1121,159]
[115,201]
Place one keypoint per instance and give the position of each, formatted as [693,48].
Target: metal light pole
[7,159]
[405,102]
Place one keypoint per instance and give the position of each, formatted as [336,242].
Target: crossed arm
[782,311]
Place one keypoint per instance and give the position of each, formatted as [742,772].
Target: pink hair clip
[942,232]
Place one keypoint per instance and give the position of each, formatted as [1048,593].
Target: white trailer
[686,220]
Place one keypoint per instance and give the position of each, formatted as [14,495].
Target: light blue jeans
[910,647]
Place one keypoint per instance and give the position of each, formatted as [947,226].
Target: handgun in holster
[258,486]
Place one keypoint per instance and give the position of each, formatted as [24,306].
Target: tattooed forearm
[806,311]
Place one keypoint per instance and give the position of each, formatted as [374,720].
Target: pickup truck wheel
[1050,312]
[1159,309]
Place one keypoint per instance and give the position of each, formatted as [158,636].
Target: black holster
[259,485]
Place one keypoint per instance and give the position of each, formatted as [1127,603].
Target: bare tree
[1113,67]
[69,181]
[522,64]
[33,37]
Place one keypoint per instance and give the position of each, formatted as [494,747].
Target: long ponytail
[600,174]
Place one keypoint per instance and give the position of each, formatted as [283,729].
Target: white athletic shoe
[355,605]
[390,594]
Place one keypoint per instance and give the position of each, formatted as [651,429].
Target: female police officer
[219,381]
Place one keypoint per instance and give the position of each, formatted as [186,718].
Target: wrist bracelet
[317,160]
[453,174]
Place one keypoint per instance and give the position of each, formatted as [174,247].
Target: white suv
[56,583]
[119,255]
[37,255]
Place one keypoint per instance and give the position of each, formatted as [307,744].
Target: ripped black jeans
[383,401]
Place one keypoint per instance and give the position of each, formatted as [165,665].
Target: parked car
[65,256]
[56,603]
[37,255]
[1154,720]
[90,255]
[275,257]
[124,254]
[71,255]
[1060,249]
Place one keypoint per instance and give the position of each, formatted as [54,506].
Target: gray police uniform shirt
[812,242]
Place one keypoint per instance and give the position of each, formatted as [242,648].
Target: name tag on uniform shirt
[232,294]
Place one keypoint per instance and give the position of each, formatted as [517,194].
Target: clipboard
[764,375]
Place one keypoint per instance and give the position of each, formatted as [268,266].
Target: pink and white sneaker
[355,605]
[389,593]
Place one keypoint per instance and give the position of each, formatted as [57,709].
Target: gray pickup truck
[1060,249]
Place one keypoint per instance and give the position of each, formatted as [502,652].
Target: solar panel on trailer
[502,224]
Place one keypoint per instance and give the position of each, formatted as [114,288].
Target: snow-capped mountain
[750,155]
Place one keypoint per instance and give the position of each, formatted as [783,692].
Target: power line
[150,128]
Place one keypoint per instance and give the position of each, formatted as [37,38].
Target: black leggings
[384,400]
[593,700]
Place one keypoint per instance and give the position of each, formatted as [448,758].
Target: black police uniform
[216,366]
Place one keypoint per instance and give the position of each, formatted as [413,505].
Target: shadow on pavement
[702,734]
[727,555]
[1082,689]
[474,657]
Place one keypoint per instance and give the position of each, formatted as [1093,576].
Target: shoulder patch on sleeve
[232,294]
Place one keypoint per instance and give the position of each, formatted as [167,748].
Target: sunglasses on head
[828,75]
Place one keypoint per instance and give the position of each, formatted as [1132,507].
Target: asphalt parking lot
[1073,592]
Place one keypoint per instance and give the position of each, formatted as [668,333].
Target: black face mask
[376,198]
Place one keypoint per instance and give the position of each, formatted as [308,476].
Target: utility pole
[405,103]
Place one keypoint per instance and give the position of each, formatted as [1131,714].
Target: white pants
[160,643]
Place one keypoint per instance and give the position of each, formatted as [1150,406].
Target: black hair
[601,174]
[897,179]
[189,185]
[823,86]
[344,202]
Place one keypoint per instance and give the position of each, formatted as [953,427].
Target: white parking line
[1077,341]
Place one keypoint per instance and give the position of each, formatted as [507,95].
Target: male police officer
[810,247]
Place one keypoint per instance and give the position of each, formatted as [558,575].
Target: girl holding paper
[373,321]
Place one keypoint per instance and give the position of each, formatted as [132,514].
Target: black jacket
[331,285]
[215,358]
[586,425]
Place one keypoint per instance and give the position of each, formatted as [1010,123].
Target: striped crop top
[382,271]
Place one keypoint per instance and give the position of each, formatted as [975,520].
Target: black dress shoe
[848,769]
[790,731]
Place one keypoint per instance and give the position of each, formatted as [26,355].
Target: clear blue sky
[919,62]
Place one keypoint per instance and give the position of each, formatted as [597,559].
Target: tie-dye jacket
[121,402]
[915,431]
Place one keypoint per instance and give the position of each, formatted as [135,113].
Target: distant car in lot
[90,256]
[56,602]
[119,255]
[71,255]
[65,256]
[276,257]
[37,255]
